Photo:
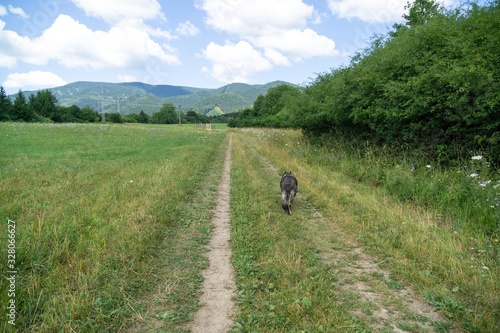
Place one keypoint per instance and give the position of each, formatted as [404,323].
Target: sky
[200,43]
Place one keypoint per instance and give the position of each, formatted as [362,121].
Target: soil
[215,314]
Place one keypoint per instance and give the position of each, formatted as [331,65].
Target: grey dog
[289,189]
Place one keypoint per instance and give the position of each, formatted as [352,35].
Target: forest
[44,107]
[430,86]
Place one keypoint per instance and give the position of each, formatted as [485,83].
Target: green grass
[448,253]
[113,219]
[282,284]
[99,210]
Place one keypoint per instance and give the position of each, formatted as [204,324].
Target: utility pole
[179,114]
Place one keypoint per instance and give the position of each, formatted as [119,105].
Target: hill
[134,97]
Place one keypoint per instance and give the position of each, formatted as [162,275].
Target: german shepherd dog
[289,189]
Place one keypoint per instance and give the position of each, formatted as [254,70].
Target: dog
[289,189]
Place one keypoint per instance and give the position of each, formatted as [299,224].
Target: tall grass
[93,205]
[433,228]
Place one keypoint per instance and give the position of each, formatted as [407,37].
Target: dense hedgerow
[431,85]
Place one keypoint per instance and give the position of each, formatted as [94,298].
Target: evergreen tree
[44,103]
[21,109]
[144,118]
[5,105]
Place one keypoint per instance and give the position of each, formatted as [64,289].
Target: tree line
[44,107]
[431,85]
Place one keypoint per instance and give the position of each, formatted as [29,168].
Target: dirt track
[215,315]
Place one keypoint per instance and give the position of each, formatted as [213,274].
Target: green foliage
[431,86]
[5,105]
[44,103]
[114,117]
[43,107]
[21,110]
[166,115]
[269,110]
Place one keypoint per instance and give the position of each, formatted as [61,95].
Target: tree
[144,118]
[114,117]
[5,105]
[21,109]
[419,13]
[166,115]
[88,114]
[44,103]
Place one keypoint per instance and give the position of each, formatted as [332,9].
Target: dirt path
[215,315]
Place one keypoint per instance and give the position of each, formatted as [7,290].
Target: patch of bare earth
[370,291]
[215,314]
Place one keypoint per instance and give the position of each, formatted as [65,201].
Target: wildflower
[428,166]
[486,268]
[477,158]
[473,175]
[483,184]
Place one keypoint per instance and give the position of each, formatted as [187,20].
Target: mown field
[105,222]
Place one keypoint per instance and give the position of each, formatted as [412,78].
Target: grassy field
[291,282]
[112,223]
[107,216]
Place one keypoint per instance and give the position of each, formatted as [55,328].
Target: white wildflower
[477,158]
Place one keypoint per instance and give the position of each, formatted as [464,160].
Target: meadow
[105,220]
[113,221]
[431,230]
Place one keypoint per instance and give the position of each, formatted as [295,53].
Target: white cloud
[277,58]
[33,80]
[234,62]
[299,44]
[277,30]
[250,18]
[126,78]
[375,11]
[18,11]
[112,11]
[3,10]
[73,44]
[369,11]
[187,29]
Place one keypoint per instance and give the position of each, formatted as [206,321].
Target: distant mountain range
[134,97]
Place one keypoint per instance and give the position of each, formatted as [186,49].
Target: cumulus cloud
[73,44]
[33,80]
[18,11]
[374,11]
[187,29]
[112,11]
[3,10]
[277,30]
[234,62]
[251,18]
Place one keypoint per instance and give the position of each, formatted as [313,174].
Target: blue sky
[200,43]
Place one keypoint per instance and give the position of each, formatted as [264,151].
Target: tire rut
[383,303]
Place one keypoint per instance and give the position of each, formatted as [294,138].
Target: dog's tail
[289,190]
[287,200]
